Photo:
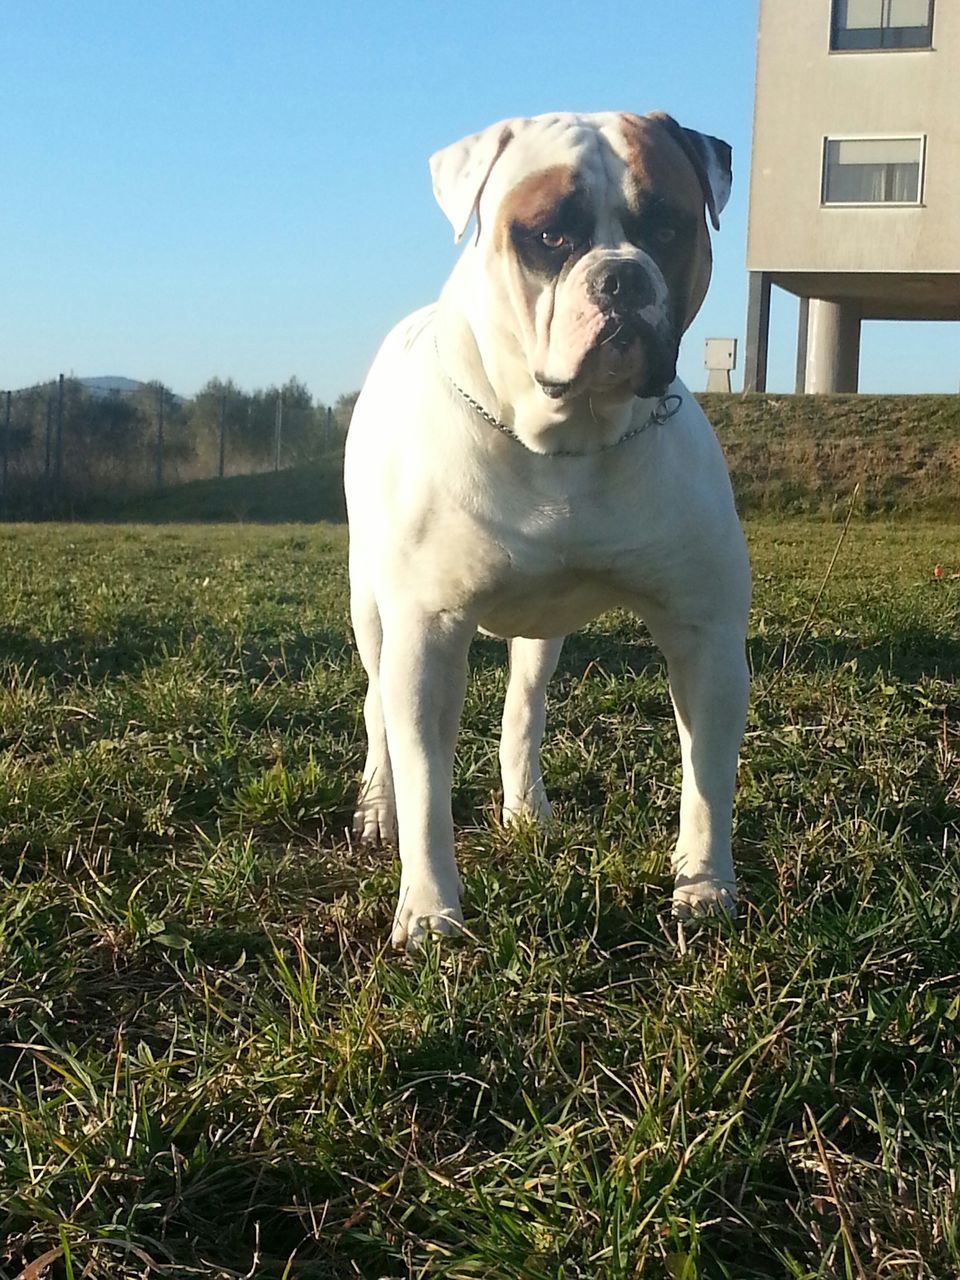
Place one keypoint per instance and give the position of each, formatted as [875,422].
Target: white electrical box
[720,353]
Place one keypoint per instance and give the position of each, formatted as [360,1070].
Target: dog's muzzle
[623,290]
[622,287]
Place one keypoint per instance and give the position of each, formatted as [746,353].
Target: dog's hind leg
[532,663]
[375,819]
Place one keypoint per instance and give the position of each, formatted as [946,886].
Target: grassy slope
[806,453]
[791,454]
[210,1064]
[301,494]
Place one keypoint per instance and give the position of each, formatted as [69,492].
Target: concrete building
[855,180]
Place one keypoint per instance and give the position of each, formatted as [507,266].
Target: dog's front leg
[423,667]
[709,685]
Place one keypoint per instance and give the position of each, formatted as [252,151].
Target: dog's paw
[425,909]
[533,807]
[698,896]
[375,820]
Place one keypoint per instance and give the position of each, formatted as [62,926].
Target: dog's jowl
[523,457]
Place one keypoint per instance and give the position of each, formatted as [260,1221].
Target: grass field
[211,1066]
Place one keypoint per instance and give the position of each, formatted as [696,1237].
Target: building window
[872,170]
[881,24]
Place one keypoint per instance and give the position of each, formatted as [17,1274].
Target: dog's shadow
[912,654]
[614,652]
[134,643]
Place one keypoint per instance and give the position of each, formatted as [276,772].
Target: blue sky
[237,188]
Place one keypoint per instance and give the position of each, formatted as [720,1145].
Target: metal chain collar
[666,408]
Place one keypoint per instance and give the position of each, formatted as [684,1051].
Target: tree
[343,411]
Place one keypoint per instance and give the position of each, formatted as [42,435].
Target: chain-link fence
[68,444]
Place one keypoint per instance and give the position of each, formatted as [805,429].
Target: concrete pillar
[833,347]
[803,324]
[758,332]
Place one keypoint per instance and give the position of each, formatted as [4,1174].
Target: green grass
[211,1066]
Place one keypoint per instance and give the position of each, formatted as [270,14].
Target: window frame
[881,48]
[873,137]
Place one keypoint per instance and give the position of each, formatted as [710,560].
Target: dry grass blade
[843,1211]
[801,634]
[37,1269]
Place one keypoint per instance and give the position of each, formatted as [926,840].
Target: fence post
[279,430]
[7,446]
[6,450]
[223,432]
[160,400]
[58,455]
[47,455]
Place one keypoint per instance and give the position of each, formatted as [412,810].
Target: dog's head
[591,231]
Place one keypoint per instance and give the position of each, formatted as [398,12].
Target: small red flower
[937,572]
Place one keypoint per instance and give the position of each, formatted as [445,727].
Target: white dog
[523,457]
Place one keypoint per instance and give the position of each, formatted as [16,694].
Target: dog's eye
[665,234]
[554,240]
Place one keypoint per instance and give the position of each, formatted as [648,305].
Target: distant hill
[104,386]
[96,386]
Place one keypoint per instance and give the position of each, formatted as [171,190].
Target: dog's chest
[549,569]
[546,606]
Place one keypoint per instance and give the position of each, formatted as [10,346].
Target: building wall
[805,93]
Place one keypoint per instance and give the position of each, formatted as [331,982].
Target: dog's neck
[489,365]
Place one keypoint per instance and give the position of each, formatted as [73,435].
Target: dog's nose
[621,286]
[609,284]
[555,390]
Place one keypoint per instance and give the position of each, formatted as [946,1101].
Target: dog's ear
[710,157]
[460,172]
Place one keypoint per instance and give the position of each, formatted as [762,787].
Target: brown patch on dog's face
[546,220]
[668,194]
[544,226]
